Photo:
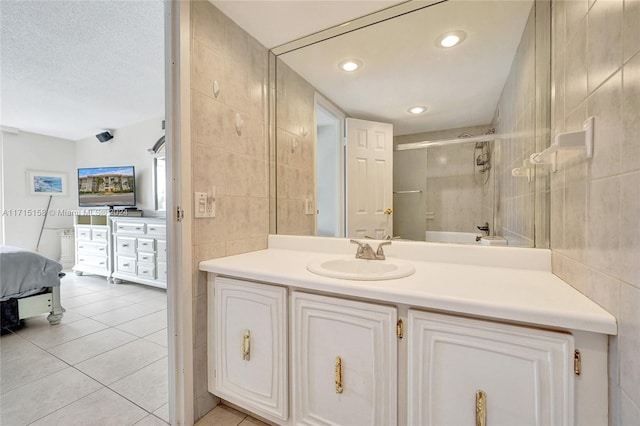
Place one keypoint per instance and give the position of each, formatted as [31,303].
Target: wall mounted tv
[107,186]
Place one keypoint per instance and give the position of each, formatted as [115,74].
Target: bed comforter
[24,273]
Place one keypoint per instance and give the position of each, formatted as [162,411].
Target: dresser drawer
[126,245]
[146,270]
[130,228]
[85,247]
[126,264]
[83,232]
[95,261]
[100,234]
[155,229]
[146,257]
[146,244]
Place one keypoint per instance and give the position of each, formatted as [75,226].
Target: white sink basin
[360,269]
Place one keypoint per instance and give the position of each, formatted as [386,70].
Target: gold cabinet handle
[339,387]
[246,346]
[481,408]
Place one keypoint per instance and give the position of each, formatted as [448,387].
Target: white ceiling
[403,67]
[276,22]
[72,69]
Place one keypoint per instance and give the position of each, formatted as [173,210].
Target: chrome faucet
[484,228]
[366,252]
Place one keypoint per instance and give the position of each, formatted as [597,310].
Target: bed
[29,286]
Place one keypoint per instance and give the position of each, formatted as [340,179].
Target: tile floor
[105,364]
[222,415]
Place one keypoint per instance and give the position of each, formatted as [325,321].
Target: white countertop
[510,284]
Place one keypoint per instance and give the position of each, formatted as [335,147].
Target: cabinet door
[344,362]
[250,350]
[526,375]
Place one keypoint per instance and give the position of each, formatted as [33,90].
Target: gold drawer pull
[246,346]
[339,387]
[481,408]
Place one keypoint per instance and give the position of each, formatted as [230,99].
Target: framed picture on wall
[46,183]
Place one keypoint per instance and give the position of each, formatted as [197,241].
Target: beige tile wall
[595,204]
[295,151]
[516,117]
[235,162]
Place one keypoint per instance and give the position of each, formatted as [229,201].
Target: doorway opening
[330,177]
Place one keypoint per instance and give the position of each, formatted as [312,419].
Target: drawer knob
[125,264]
[125,245]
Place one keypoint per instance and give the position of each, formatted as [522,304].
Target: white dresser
[92,245]
[139,250]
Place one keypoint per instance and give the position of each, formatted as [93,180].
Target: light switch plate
[308,206]
[204,205]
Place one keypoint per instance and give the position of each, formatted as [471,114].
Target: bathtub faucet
[484,228]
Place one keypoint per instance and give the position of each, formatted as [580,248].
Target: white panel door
[344,362]
[526,375]
[250,348]
[369,178]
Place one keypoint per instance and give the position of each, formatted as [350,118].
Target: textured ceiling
[72,69]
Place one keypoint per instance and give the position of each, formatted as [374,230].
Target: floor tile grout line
[60,408]
[108,297]
[41,377]
[133,372]
[104,386]
[135,403]
[75,338]
[101,353]
[141,368]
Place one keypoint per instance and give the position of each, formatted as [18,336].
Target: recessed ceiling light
[350,65]
[417,109]
[450,39]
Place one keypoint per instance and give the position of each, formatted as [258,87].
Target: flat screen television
[107,186]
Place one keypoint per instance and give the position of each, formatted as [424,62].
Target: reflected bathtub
[463,238]
[453,237]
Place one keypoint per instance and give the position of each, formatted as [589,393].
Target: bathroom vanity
[475,334]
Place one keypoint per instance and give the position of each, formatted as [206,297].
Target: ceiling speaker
[104,136]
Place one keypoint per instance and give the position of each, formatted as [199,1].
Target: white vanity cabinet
[344,361]
[249,346]
[465,370]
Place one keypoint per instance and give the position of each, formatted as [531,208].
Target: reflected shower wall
[455,193]
[451,200]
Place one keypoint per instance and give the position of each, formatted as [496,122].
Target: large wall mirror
[411,127]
